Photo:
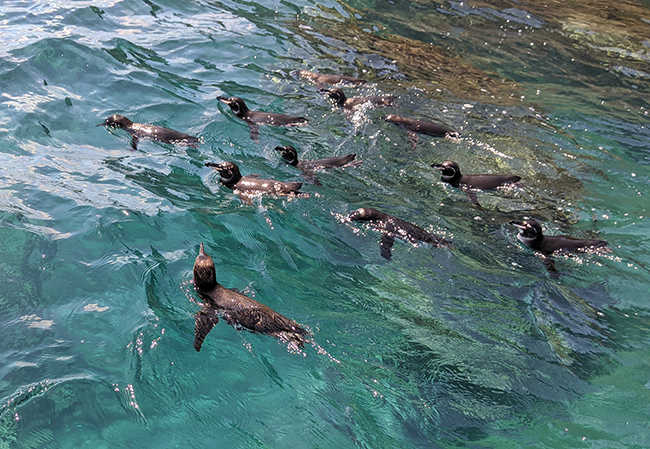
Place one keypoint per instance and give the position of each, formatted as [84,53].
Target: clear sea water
[472,346]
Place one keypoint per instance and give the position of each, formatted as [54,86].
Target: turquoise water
[471,346]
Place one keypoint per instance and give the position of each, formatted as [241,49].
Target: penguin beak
[438,166]
[201,250]
[214,165]
[324,90]
[518,225]
[279,148]
[101,124]
[224,99]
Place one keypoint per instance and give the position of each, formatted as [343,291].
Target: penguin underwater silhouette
[414,126]
[323,78]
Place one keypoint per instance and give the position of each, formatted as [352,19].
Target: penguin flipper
[413,139]
[134,142]
[386,245]
[204,321]
[311,177]
[471,196]
[549,263]
[254,131]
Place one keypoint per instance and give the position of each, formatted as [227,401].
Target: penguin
[393,227]
[158,133]
[450,173]
[237,309]
[343,101]
[531,235]
[290,155]
[321,78]
[414,126]
[231,177]
[256,118]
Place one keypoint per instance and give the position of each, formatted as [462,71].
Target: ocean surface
[471,346]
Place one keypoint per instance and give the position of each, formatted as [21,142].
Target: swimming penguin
[256,118]
[342,100]
[531,235]
[231,177]
[238,310]
[139,131]
[414,126]
[450,173]
[321,78]
[290,155]
[393,227]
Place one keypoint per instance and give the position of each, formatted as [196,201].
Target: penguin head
[236,104]
[337,95]
[449,171]
[205,274]
[117,121]
[402,122]
[289,154]
[366,214]
[229,171]
[529,231]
